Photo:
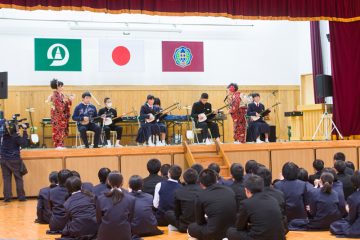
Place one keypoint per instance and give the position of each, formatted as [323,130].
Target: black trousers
[90,127]
[214,129]
[234,234]
[109,128]
[9,168]
[171,219]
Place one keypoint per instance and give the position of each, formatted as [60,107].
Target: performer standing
[238,113]
[111,113]
[60,113]
[258,127]
[201,110]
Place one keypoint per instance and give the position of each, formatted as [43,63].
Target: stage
[132,160]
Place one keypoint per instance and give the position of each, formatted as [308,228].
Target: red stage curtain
[345,60]
[335,10]
[316,55]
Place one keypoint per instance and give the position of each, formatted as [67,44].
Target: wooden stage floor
[17,223]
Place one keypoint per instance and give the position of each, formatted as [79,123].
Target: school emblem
[182,56]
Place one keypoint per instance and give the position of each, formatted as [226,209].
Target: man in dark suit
[185,197]
[237,172]
[259,217]
[216,168]
[153,167]
[348,187]
[215,209]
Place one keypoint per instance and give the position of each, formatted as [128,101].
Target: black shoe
[22,199]
[7,200]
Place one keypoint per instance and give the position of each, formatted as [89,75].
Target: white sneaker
[160,144]
[108,146]
[60,148]
[267,140]
[118,146]
[237,142]
[208,142]
[151,144]
[172,228]
[258,141]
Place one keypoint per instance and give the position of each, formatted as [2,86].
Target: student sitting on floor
[164,194]
[350,165]
[318,166]
[259,217]
[350,226]
[58,196]
[339,156]
[115,211]
[294,191]
[80,212]
[348,187]
[184,214]
[102,186]
[215,209]
[144,221]
[88,186]
[216,168]
[324,207]
[237,172]
[153,167]
[197,167]
[304,176]
[164,171]
[250,168]
[43,210]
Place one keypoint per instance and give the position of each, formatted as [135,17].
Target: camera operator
[11,162]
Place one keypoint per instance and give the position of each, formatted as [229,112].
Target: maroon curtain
[335,10]
[345,61]
[316,55]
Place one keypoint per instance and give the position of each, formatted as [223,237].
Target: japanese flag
[120,55]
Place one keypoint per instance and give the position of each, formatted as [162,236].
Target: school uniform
[88,186]
[338,187]
[114,220]
[199,108]
[80,216]
[58,196]
[146,129]
[314,176]
[295,197]
[263,213]
[218,203]
[111,113]
[324,210]
[43,210]
[100,189]
[150,183]
[350,226]
[348,187]
[144,222]
[225,182]
[258,127]
[239,190]
[184,213]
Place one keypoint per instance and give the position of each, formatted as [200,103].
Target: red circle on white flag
[121,55]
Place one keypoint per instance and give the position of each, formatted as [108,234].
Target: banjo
[263,113]
[202,117]
[108,121]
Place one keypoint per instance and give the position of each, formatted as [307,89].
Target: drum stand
[326,120]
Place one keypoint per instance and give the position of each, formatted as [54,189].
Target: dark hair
[234,85]
[164,170]
[339,156]
[190,176]
[54,84]
[53,179]
[254,184]
[318,165]
[63,175]
[237,172]
[150,97]
[303,175]
[250,166]
[115,180]
[327,179]
[290,171]
[175,172]
[157,101]
[103,174]
[204,96]
[153,166]
[355,179]
[105,99]
[86,94]
[208,177]
[215,167]
[332,171]
[255,95]
[73,184]
[75,173]
[340,166]
[266,175]
[350,164]
[197,167]
[136,182]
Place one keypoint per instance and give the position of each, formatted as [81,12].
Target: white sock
[108,142]
[117,142]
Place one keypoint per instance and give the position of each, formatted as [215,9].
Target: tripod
[326,119]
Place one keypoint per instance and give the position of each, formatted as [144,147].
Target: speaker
[3,85]
[324,86]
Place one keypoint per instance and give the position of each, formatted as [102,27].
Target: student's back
[43,210]
[348,187]
[58,196]
[100,189]
[338,187]
[150,183]
[167,196]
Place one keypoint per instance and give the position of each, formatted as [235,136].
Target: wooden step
[225,171]
[207,160]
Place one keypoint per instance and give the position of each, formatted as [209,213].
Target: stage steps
[216,154]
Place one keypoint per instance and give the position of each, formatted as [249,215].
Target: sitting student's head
[175,172]
[75,173]
[265,174]
[290,171]
[63,175]
[350,165]
[207,178]
[326,181]
[253,184]
[53,179]
[115,181]
[153,166]
[303,175]
[190,176]
[340,166]
[251,166]
[197,167]
[73,184]
[103,174]
[135,183]
[331,171]
[215,167]
[164,170]
[339,156]
[355,179]
[237,172]
[318,165]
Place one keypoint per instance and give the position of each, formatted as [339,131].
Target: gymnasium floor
[17,223]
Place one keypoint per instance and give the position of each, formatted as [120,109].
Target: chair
[114,137]
[90,135]
[195,131]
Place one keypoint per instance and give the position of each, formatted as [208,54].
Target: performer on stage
[111,113]
[238,112]
[161,130]
[84,115]
[60,113]
[258,127]
[200,111]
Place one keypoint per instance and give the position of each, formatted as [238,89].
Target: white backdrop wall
[263,53]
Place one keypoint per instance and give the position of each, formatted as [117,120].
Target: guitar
[263,113]
[34,137]
[203,117]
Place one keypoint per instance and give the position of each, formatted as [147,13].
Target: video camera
[15,124]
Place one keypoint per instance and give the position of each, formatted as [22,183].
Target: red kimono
[238,113]
[60,115]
